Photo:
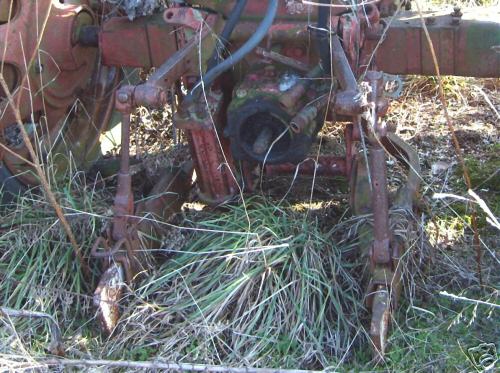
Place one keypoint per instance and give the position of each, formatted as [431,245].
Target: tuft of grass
[38,269]
[274,295]
[485,172]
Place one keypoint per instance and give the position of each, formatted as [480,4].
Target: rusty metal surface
[68,66]
[379,324]
[305,117]
[380,201]
[283,59]
[210,151]
[381,253]
[150,41]
[202,122]
[341,67]
[123,206]
[61,90]
[119,247]
[291,10]
[145,42]
[290,98]
[165,199]
[70,60]
[469,47]
[215,180]
[107,297]
[407,193]
[121,250]
[185,17]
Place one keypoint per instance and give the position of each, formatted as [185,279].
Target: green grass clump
[38,268]
[485,172]
[273,294]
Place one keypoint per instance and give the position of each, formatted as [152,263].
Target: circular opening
[8,9]
[295,127]
[11,77]
[368,9]
[263,131]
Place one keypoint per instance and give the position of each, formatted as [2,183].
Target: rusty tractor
[254,82]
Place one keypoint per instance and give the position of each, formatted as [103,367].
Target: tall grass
[276,297]
[38,270]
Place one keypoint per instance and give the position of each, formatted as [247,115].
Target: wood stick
[185,367]
[56,346]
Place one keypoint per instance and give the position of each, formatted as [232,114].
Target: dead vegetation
[273,283]
[230,294]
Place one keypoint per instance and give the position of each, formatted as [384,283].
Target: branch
[455,141]
[475,301]
[185,367]
[56,346]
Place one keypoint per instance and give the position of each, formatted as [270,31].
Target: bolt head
[240,93]
[122,97]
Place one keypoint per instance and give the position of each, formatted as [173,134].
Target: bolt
[456,15]
[430,21]
[240,93]
[457,12]
[122,97]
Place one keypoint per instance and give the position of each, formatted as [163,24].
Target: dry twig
[184,367]
[56,345]
[456,143]
[43,179]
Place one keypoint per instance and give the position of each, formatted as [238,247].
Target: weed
[277,296]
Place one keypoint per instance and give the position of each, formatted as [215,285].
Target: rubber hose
[323,36]
[225,35]
[246,48]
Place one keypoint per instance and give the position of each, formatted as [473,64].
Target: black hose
[323,35]
[237,56]
[225,35]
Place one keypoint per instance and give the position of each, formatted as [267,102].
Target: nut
[430,21]
[240,93]
[122,97]
[457,11]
